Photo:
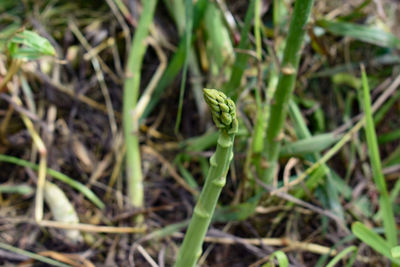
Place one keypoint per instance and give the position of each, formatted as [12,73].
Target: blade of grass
[342,254]
[313,144]
[376,165]
[16,189]
[177,8]
[176,62]
[32,255]
[361,32]
[395,251]
[239,66]
[323,171]
[380,115]
[389,137]
[57,175]
[328,155]
[280,256]
[188,38]
[373,240]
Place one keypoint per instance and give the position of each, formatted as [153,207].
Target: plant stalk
[130,97]
[225,118]
[287,78]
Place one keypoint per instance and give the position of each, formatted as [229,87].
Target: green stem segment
[131,93]
[224,115]
[287,78]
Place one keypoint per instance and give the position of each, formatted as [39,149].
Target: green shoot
[287,77]
[224,115]
[131,94]
[373,151]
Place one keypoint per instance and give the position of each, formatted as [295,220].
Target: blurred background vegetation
[105,137]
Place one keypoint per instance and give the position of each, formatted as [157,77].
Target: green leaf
[395,252]
[373,150]
[29,45]
[280,256]
[16,189]
[342,254]
[373,240]
[316,143]
[57,175]
[361,32]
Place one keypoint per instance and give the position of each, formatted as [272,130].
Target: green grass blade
[384,201]
[316,143]
[200,143]
[342,254]
[177,61]
[34,256]
[240,63]
[238,212]
[188,38]
[30,45]
[373,240]
[322,171]
[16,189]
[395,252]
[393,158]
[280,256]
[361,32]
[59,176]
[389,137]
[381,113]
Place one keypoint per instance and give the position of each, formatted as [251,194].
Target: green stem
[130,97]
[224,115]
[287,78]
[219,162]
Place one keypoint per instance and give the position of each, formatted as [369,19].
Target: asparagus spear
[224,115]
